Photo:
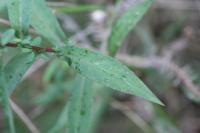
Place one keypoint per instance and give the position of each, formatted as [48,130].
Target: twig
[33,48]
[81,35]
[160,64]
[174,48]
[130,114]
[23,117]
[4,22]
[136,61]
[182,75]
[104,43]
[176,5]
[7,23]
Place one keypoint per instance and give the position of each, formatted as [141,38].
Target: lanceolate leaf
[77,114]
[80,106]
[107,71]
[61,122]
[102,98]
[16,68]
[7,110]
[19,12]
[125,24]
[4,101]
[45,23]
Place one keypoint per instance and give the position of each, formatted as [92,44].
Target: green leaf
[76,116]
[3,4]
[7,36]
[19,12]
[4,100]
[1,79]
[49,72]
[26,40]
[80,106]
[61,122]
[77,8]
[7,110]
[107,71]
[45,23]
[125,24]
[36,41]
[16,68]
[102,97]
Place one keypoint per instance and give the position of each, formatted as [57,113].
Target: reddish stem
[11,45]
[33,48]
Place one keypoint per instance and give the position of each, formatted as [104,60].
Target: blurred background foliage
[163,50]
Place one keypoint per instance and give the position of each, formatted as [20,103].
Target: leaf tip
[157,101]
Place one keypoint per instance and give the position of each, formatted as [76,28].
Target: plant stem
[33,48]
